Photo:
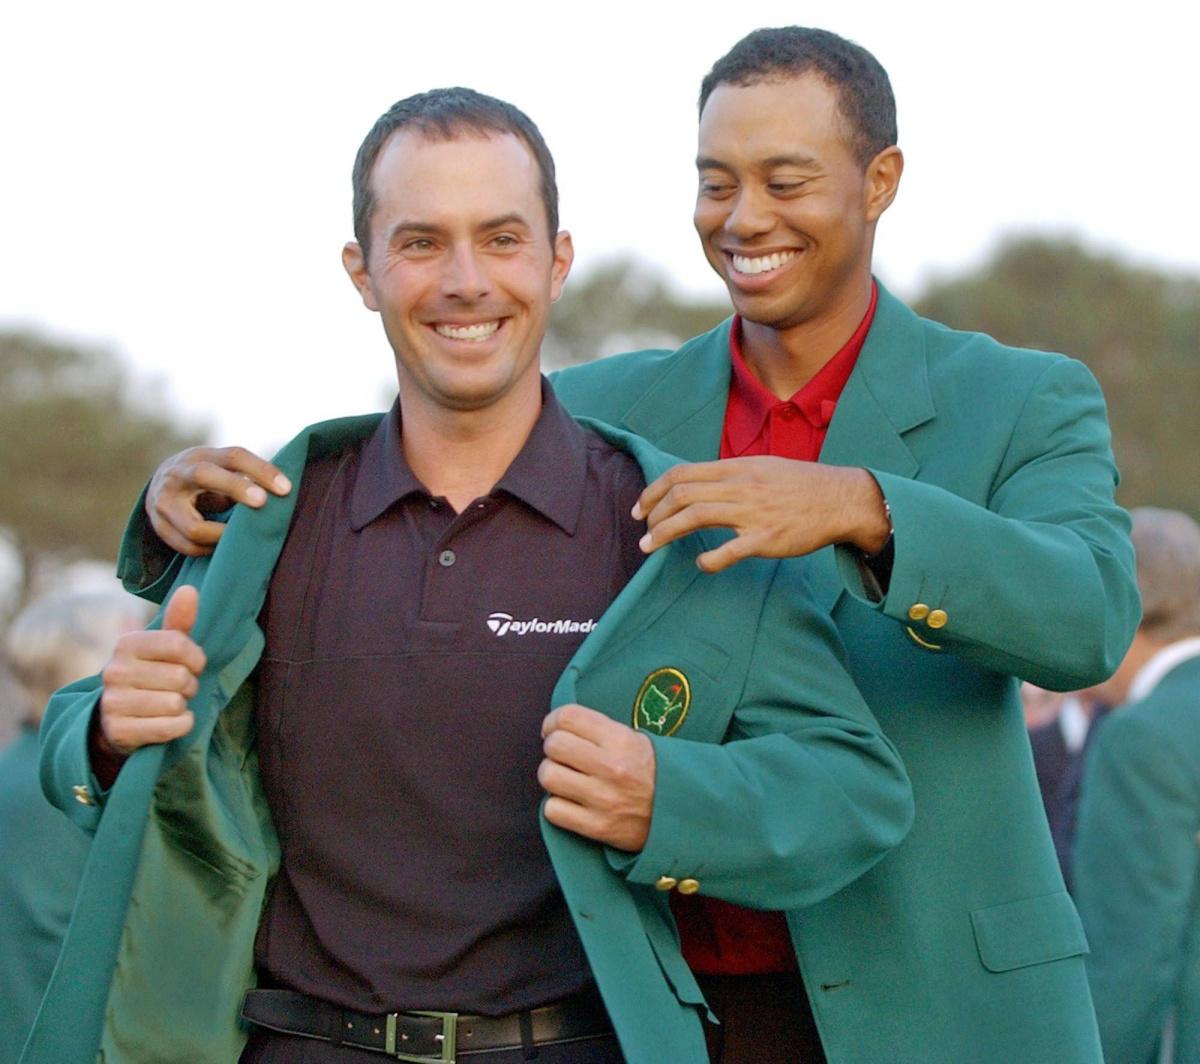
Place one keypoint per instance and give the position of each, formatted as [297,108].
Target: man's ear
[564,255]
[883,181]
[354,259]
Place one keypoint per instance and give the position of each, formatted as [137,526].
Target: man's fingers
[229,473]
[126,734]
[684,473]
[117,703]
[217,481]
[572,751]
[686,521]
[570,816]
[579,720]
[558,779]
[728,553]
[205,480]
[258,470]
[147,675]
[193,544]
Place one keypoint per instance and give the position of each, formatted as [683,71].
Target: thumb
[181,611]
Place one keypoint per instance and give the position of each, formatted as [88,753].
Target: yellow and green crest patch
[662,702]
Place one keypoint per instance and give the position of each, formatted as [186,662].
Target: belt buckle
[448,1038]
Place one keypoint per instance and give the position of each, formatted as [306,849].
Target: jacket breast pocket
[1030,931]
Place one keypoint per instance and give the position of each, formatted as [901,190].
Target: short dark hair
[864,93]
[443,114]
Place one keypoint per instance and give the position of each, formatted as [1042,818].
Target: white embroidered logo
[504,623]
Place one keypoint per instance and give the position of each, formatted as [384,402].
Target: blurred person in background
[57,639]
[1137,863]
[1061,727]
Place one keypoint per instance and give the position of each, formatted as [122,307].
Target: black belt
[427,1037]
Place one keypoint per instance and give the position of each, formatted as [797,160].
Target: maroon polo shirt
[410,657]
[719,938]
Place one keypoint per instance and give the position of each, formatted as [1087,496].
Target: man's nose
[465,277]
[750,215]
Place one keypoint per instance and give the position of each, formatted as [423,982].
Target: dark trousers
[765,1019]
[267,1047]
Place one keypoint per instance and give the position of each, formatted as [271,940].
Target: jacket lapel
[684,410]
[886,396]
[662,579]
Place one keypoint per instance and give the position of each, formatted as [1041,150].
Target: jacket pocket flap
[1030,931]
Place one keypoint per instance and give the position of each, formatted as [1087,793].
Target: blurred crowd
[60,637]
[1119,770]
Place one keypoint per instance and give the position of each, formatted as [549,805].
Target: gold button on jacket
[938,619]
[82,795]
[918,611]
[665,883]
[689,886]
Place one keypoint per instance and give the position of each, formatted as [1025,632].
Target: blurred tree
[1137,329]
[622,305]
[76,445]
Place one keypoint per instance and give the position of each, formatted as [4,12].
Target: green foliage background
[78,439]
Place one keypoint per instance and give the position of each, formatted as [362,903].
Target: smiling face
[785,212]
[461,267]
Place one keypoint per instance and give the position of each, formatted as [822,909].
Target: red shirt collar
[750,402]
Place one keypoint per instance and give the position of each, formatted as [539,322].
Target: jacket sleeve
[146,566]
[66,771]
[804,795]
[1039,583]
[1135,869]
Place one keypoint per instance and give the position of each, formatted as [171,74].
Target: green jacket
[804,796]
[43,857]
[961,945]
[1137,871]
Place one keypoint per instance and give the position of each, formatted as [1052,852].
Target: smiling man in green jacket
[964,533]
[334,703]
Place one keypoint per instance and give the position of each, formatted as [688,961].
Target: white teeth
[480,331]
[761,265]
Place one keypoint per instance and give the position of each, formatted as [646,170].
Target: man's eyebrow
[499,222]
[804,162]
[405,226]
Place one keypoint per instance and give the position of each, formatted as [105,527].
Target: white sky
[176,178]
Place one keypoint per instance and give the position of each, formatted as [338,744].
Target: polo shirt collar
[816,401]
[384,476]
[549,474]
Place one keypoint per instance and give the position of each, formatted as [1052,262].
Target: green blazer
[1137,871]
[804,796]
[1011,559]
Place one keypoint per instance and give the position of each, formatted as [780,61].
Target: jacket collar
[887,395]
[684,410]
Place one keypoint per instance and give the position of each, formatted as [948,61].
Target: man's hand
[778,508]
[149,679]
[600,777]
[205,480]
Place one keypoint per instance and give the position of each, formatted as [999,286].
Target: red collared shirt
[719,938]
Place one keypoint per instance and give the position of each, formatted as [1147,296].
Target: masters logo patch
[662,702]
